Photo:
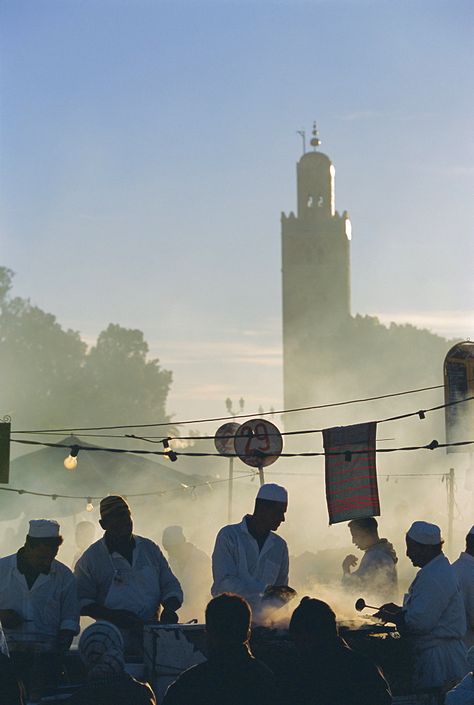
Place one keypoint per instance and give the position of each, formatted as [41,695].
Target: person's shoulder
[94,548]
[464,564]
[148,546]
[279,541]
[91,557]
[62,569]
[145,542]
[198,554]
[8,561]
[262,668]
[359,661]
[441,571]
[377,555]
[141,687]
[190,680]
[458,563]
[229,530]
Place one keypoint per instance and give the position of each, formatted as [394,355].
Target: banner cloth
[351,478]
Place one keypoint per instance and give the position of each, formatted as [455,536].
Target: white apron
[136,590]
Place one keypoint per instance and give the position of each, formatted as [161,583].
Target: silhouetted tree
[123,383]
[48,378]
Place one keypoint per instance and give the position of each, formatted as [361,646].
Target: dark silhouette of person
[12,691]
[231,675]
[328,671]
[101,649]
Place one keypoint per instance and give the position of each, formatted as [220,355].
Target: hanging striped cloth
[351,477]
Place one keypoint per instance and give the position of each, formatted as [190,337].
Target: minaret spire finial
[302,134]
[315,141]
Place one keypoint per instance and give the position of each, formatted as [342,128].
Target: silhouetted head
[423,542]
[173,538]
[115,517]
[228,619]
[470,542]
[85,534]
[271,504]
[101,650]
[364,532]
[312,624]
[42,544]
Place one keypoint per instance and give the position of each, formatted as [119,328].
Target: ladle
[361,605]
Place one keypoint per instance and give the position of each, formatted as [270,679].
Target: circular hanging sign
[224,438]
[258,443]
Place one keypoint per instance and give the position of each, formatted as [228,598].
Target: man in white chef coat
[464,569]
[39,610]
[124,578]
[433,612]
[249,559]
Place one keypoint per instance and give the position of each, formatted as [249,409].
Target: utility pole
[230,488]
[450,483]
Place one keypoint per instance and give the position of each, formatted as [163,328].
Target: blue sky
[148,149]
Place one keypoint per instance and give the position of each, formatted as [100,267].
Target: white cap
[275,493]
[173,536]
[425,533]
[43,528]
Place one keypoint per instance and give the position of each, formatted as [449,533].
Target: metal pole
[230,490]
[450,480]
[261,475]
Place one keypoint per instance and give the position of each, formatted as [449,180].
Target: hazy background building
[329,354]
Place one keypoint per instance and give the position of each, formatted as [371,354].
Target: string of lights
[434,444]
[183,487]
[68,429]
[421,413]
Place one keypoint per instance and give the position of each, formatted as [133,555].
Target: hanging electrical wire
[194,454]
[68,429]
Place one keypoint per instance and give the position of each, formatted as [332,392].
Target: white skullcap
[423,532]
[173,535]
[43,528]
[273,492]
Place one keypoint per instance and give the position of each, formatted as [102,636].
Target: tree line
[51,378]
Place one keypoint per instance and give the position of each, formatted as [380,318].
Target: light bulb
[168,454]
[70,463]
[89,505]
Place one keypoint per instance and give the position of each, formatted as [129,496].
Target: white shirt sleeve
[69,604]
[463,693]
[87,587]
[469,603]
[283,575]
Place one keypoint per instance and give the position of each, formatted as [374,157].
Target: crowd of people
[122,581]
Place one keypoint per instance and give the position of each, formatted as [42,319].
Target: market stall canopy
[97,474]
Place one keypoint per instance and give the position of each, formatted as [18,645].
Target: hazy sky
[148,149]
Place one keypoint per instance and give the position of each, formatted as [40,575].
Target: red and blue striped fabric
[351,473]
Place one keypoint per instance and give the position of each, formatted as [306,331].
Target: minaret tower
[316,276]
